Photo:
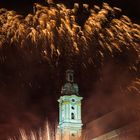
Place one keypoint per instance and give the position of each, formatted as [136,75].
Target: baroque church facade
[70,123]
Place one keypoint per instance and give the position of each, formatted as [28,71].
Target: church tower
[70,123]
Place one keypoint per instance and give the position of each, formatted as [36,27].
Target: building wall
[129,132]
[123,124]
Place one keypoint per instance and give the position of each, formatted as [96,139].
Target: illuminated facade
[70,123]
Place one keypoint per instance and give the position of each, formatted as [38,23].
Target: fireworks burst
[53,34]
[46,134]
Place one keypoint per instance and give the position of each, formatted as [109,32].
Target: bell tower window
[72,116]
[69,76]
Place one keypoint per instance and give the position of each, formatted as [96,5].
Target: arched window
[71,78]
[72,108]
[72,116]
[73,136]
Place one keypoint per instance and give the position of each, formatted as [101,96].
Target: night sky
[30,84]
[129,7]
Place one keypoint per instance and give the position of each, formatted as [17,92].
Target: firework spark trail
[54,33]
[46,134]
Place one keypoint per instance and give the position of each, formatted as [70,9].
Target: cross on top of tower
[70,88]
